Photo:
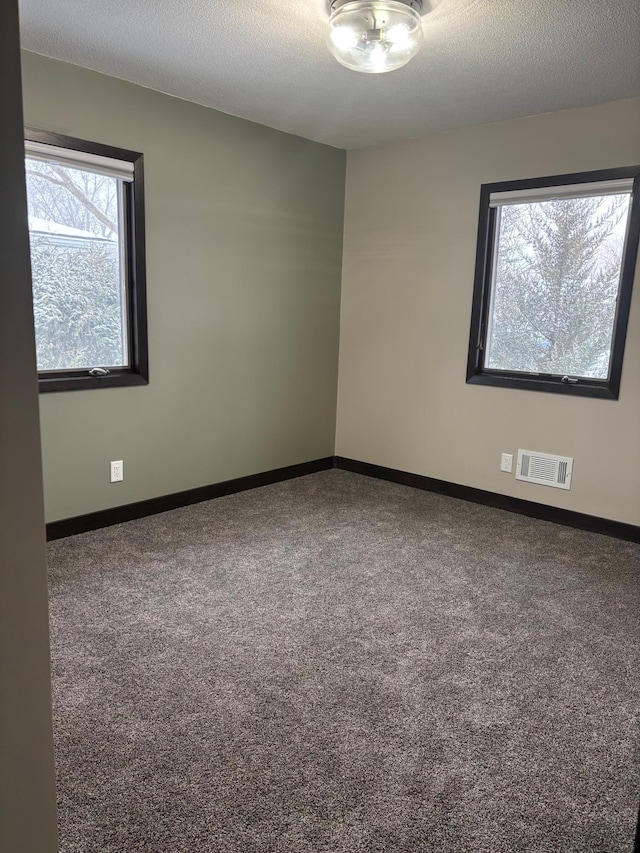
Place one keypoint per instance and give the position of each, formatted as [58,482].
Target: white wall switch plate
[506,462]
[117,471]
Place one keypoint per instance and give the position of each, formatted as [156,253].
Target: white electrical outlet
[506,462]
[117,471]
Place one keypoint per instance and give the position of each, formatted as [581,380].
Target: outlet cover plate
[117,471]
[506,462]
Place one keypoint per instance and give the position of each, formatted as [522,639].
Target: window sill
[86,383]
[583,388]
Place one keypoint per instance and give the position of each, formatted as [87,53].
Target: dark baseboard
[568,517]
[140,509]
[128,512]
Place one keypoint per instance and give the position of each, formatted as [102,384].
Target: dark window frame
[477,374]
[137,373]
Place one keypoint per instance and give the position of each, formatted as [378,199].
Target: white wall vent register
[544,468]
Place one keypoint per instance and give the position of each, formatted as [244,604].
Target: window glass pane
[556,278]
[75,228]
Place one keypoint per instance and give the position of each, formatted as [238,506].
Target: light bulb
[344,38]
[375,36]
[399,37]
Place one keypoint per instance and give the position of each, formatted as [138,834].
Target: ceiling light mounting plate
[416,5]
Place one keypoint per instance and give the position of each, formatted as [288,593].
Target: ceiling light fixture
[374,36]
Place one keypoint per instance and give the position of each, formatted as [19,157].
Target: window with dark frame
[554,273]
[86,230]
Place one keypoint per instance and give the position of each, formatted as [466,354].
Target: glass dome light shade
[375,36]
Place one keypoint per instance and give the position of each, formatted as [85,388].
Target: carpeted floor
[340,665]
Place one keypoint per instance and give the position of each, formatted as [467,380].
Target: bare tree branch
[66,182]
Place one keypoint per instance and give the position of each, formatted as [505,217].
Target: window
[554,271]
[86,229]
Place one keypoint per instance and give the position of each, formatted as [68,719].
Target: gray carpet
[343,665]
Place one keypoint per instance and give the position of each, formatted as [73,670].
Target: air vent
[544,468]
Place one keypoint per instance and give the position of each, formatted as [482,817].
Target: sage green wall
[244,248]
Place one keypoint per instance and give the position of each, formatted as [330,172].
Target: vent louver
[546,469]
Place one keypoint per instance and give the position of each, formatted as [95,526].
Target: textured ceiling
[266,60]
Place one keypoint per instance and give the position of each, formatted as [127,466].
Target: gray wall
[409,251]
[244,242]
[27,788]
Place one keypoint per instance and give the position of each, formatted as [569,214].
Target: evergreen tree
[76,304]
[556,286]
[75,276]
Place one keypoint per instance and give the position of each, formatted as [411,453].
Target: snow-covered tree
[75,266]
[556,286]
[76,304]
